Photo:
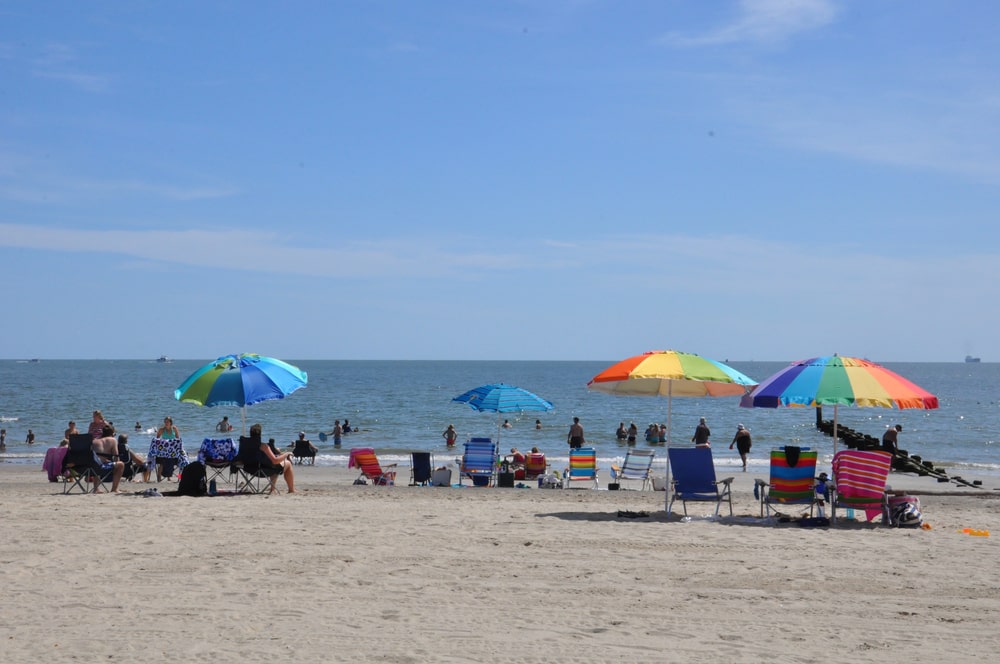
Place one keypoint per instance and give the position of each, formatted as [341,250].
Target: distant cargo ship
[969,358]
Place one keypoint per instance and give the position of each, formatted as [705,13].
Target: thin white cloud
[955,135]
[85,82]
[737,262]
[763,22]
[27,179]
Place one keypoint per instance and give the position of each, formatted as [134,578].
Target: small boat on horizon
[163,358]
[969,358]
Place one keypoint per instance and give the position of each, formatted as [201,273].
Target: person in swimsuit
[575,436]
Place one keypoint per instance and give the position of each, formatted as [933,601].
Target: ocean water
[401,406]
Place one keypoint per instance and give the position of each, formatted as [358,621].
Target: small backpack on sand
[193,482]
[905,515]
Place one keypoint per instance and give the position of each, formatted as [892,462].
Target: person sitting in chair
[269,455]
[303,448]
[106,458]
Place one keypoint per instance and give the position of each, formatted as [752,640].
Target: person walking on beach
[575,436]
[450,435]
[701,434]
[890,439]
[743,443]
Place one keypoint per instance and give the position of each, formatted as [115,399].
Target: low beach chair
[479,463]
[792,480]
[366,461]
[859,478]
[535,465]
[421,468]
[79,464]
[217,455]
[693,479]
[304,452]
[638,465]
[251,466]
[582,468]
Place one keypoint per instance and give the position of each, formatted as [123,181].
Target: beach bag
[193,482]
[905,514]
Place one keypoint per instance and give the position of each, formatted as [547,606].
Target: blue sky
[520,179]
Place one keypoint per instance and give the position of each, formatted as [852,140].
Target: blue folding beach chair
[479,463]
[693,479]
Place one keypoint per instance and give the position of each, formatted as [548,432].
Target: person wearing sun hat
[743,443]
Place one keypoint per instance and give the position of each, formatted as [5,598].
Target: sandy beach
[341,572]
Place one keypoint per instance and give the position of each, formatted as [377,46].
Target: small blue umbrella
[241,380]
[501,398]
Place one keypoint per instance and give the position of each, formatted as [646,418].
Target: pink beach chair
[859,478]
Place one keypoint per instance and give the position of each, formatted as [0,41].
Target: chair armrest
[727,481]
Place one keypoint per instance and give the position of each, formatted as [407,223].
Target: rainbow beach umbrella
[838,381]
[241,380]
[671,373]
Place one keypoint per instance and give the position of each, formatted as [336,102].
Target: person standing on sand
[575,436]
[743,443]
[701,434]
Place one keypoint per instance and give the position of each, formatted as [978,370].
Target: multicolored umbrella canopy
[241,380]
[501,398]
[670,373]
[838,381]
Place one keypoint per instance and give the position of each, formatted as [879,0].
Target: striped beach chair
[859,478]
[637,465]
[365,459]
[582,467]
[792,480]
[479,463]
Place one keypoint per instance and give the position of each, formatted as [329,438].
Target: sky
[503,179]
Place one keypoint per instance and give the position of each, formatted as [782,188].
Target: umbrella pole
[243,419]
[834,429]
[670,417]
